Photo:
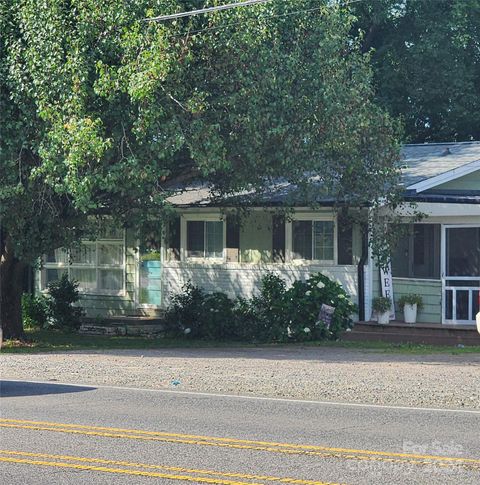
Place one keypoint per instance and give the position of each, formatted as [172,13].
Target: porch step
[428,334]
[123,326]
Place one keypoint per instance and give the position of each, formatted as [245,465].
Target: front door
[150,274]
[461,273]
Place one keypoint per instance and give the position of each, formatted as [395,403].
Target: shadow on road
[16,389]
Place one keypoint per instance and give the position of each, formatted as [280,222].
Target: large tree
[426,61]
[101,110]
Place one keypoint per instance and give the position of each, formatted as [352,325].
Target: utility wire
[288,14]
[218,8]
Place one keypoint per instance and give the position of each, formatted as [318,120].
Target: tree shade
[101,111]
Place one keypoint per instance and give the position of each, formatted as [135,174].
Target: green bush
[277,314]
[55,308]
[63,294]
[35,311]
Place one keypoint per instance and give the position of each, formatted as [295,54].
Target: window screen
[313,240]
[97,266]
[417,253]
[205,239]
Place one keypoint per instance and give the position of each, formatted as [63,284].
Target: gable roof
[431,164]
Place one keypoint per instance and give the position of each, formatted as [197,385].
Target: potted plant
[382,307]
[410,304]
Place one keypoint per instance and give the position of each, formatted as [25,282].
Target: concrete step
[123,325]
[417,329]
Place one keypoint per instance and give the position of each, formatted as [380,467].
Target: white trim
[445,177]
[445,277]
[96,267]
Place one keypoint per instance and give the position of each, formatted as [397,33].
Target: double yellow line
[234,443]
[146,470]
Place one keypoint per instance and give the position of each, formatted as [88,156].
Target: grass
[55,341]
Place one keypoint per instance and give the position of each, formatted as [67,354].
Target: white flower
[320,284]
[308,293]
[187,331]
[212,309]
[306,330]
[341,296]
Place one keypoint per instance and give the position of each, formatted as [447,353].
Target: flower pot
[383,318]
[478,322]
[410,313]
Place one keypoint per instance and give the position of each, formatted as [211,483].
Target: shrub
[35,311]
[55,308]
[63,294]
[277,314]
[304,302]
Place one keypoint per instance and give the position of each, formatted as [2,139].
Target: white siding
[237,279]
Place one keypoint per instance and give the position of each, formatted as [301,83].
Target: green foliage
[277,314]
[411,299]
[381,304]
[426,64]
[35,311]
[54,308]
[102,110]
[62,296]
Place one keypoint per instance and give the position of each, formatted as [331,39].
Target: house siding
[243,280]
[467,182]
[256,238]
[429,290]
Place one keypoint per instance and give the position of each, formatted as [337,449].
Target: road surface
[69,434]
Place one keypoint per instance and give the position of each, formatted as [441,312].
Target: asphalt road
[52,433]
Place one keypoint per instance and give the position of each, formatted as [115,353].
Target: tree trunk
[11,289]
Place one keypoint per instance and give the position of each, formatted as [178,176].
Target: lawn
[56,341]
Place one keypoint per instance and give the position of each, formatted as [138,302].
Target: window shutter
[173,247]
[345,241]
[278,238]
[233,240]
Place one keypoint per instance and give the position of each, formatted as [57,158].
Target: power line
[218,8]
[287,14]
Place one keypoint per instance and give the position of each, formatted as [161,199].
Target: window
[98,266]
[417,254]
[313,240]
[205,239]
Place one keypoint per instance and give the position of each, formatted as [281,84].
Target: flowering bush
[277,314]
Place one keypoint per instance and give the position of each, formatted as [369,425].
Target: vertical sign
[387,288]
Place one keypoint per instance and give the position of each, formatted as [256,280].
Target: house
[439,258]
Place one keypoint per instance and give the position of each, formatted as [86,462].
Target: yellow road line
[217,441]
[189,478]
[323,454]
[163,467]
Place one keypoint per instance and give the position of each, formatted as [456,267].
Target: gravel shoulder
[326,374]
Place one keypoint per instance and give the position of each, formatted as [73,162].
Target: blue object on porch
[150,282]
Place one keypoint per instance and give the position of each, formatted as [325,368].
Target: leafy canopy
[426,61]
[101,111]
